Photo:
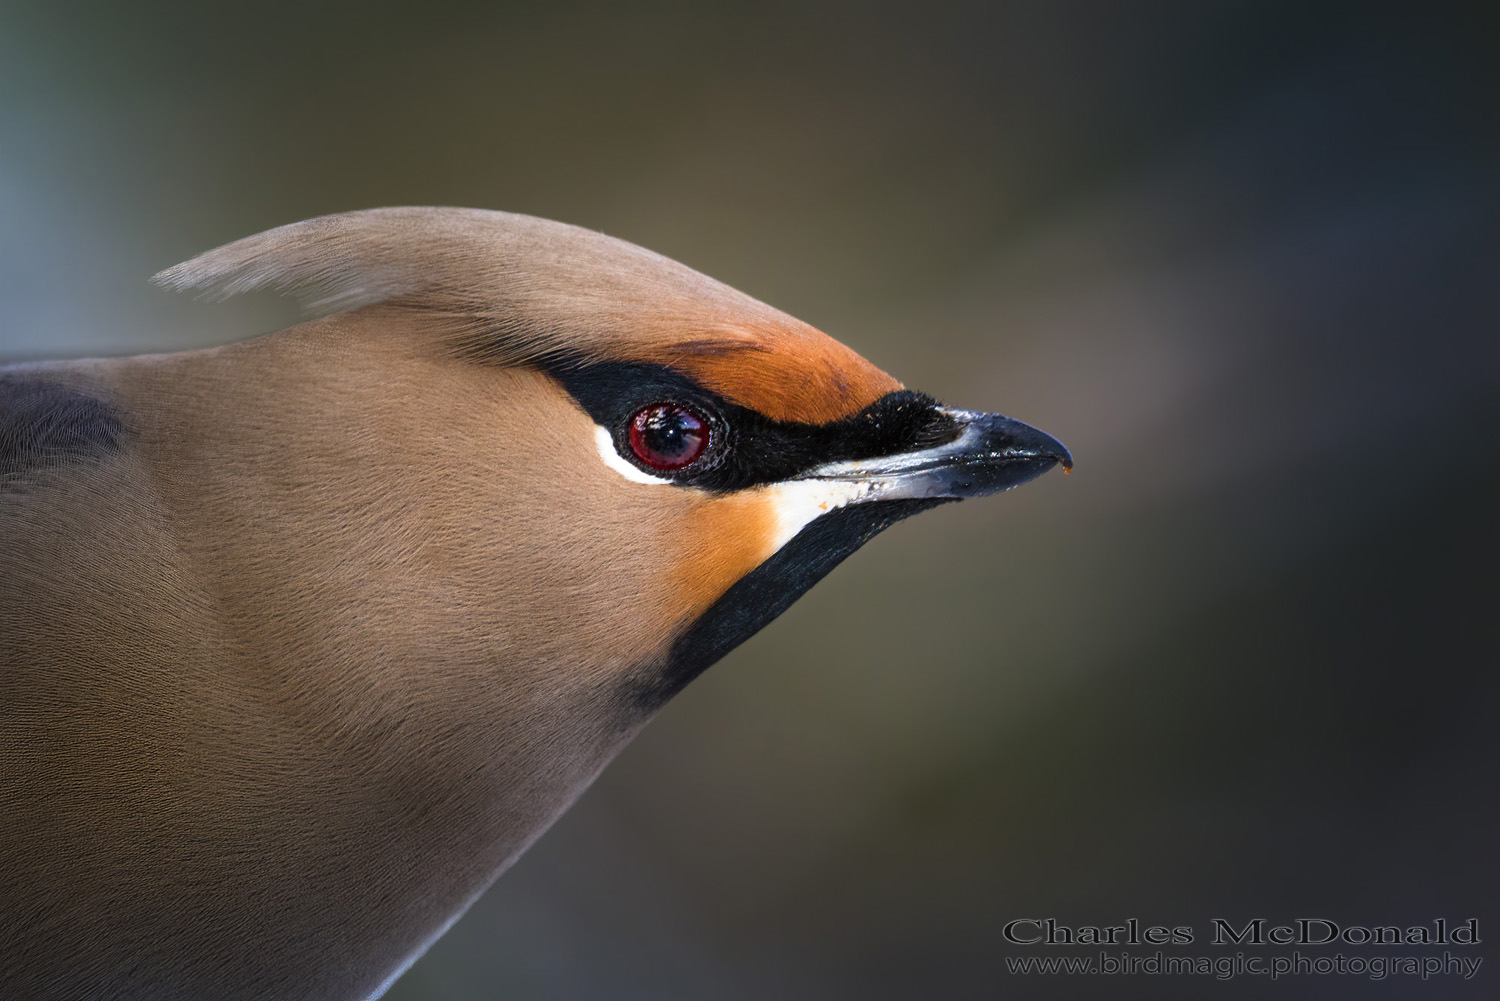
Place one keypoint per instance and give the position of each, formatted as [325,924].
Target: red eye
[668,437]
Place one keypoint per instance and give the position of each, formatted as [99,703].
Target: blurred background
[1242,257]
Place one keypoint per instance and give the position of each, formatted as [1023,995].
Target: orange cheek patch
[727,537]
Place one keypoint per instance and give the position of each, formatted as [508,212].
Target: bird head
[627,465]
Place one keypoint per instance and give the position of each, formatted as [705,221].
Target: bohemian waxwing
[303,640]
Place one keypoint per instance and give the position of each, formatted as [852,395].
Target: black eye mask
[746,448]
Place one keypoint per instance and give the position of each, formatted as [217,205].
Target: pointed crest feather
[518,290]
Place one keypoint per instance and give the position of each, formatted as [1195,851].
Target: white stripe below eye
[798,502]
[615,461]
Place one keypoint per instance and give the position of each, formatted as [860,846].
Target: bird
[304,639]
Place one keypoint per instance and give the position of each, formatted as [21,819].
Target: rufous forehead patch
[790,374]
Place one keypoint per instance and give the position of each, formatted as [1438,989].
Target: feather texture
[514,290]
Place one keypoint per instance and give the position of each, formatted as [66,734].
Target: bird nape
[303,640]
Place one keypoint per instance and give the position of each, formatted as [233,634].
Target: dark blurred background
[1241,256]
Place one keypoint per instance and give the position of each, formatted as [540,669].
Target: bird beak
[991,453]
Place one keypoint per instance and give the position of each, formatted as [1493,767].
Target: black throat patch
[765,593]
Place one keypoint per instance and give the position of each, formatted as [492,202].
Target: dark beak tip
[1034,450]
[1042,444]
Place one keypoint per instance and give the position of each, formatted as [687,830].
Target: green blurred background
[1242,257]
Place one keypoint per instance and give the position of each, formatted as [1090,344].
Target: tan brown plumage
[532,290]
[303,640]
